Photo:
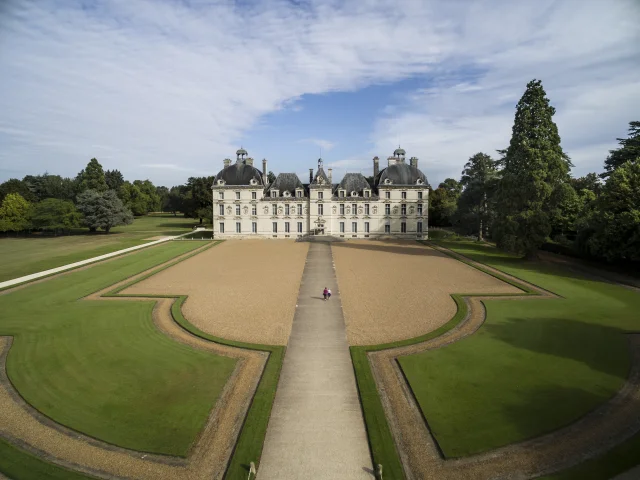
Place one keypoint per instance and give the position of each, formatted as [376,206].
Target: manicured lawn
[536,365]
[101,367]
[23,256]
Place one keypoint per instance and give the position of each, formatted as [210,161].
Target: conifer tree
[92,177]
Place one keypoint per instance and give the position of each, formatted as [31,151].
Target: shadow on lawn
[597,346]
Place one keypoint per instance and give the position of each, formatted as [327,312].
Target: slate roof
[239,174]
[320,174]
[353,182]
[286,182]
[400,174]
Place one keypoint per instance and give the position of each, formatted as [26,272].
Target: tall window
[387,228]
[341,193]
[253,195]
[237,195]
[299,227]
[286,227]
[419,209]
[341,227]
[286,209]
[299,209]
[342,209]
[387,194]
[254,227]
[274,209]
[354,227]
[354,208]
[320,209]
[275,227]
[366,209]
[366,194]
[403,227]
[387,209]
[419,195]
[221,195]
[419,228]
[254,210]
[274,193]
[237,209]
[366,227]
[320,195]
[299,194]
[238,228]
[404,195]
[221,228]
[403,209]
[221,207]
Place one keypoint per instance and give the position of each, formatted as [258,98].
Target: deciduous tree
[15,213]
[479,182]
[54,214]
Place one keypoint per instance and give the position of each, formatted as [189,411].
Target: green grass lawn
[534,366]
[100,367]
[23,256]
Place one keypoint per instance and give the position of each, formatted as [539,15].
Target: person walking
[329,293]
[325,292]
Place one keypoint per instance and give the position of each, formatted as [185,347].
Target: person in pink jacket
[325,292]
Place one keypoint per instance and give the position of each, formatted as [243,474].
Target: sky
[166,89]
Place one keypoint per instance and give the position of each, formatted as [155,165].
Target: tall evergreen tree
[534,166]
[479,181]
[629,150]
[114,179]
[92,177]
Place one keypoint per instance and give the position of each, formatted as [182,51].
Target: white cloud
[324,144]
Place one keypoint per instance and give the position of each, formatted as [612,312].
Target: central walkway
[316,429]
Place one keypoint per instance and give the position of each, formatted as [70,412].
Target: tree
[103,210]
[176,199]
[13,185]
[479,181]
[534,166]
[163,195]
[92,177]
[15,213]
[55,214]
[199,198]
[443,203]
[114,179]
[51,186]
[271,177]
[148,190]
[628,152]
[590,181]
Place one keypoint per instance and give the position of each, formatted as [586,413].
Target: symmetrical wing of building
[395,204]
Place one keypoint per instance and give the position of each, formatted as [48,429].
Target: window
[275,227]
[366,209]
[366,227]
[320,209]
[254,210]
[387,209]
[274,193]
[254,227]
[299,209]
[387,194]
[403,227]
[253,195]
[221,207]
[419,195]
[387,228]
[419,209]
[404,195]
[221,195]
[238,228]
[274,209]
[354,208]
[342,209]
[342,193]
[367,193]
[286,209]
[237,195]
[341,227]
[286,227]
[299,227]
[354,227]
[403,209]
[237,209]
[222,228]
[419,228]
[320,195]
[299,194]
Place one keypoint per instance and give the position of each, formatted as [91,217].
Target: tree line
[526,199]
[95,199]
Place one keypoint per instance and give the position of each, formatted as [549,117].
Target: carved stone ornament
[228,210]
[411,209]
[266,210]
[348,210]
[335,209]
[375,209]
[320,181]
[360,210]
[280,211]
[395,210]
[306,210]
[245,210]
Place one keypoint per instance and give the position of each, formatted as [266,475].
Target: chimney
[265,174]
[329,170]
[311,175]
[413,161]
[376,166]
[391,160]
[249,161]
[227,162]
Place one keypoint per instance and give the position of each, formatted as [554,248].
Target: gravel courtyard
[394,290]
[242,290]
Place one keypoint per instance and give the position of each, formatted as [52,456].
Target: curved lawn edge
[381,443]
[250,442]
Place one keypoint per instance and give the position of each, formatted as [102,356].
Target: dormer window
[419,182]
[342,193]
[221,182]
[387,181]
[253,181]
[286,194]
[367,193]
[299,193]
[274,193]
[354,194]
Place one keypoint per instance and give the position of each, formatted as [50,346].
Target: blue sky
[166,89]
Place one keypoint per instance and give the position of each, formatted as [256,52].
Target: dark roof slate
[239,174]
[320,174]
[353,182]
[400,174]
[286,182]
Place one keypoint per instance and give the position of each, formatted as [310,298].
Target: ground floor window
[419,227]
[286,227]
[238,228]
[354,227]
[366,227]
[341,227]
[403,227]
[299,227]
[222,228]
[275,227]
[254,227]
[387,228]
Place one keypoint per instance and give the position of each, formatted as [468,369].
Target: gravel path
[597,432]
[400,289]
[240,290]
